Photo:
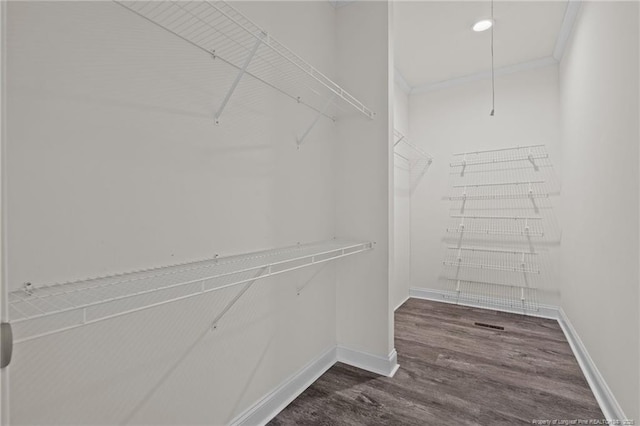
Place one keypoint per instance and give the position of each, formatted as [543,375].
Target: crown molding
[510,69]
[568,22]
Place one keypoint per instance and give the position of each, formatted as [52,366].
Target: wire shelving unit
[497,219]
[37,311]
[220,30]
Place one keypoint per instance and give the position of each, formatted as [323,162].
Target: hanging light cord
[493,79]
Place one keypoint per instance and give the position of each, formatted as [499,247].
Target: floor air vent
[495,327]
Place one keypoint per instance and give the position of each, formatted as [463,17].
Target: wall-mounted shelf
[529,153]
[222,31]
[492,267]
[408,151]
[492,250]
[495,231]
[499,191]
[496,217]
[505,296]
[498,202]
[37,311]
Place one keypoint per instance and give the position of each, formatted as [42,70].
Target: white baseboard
[402,303]
[544,311]
[366,361]
[275,401]
[607,401]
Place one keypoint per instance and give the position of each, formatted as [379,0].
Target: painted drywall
[456,119]
[115,164]
[363,173]
[599,98]
[402,204]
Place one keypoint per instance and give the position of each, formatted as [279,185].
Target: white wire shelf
[492,267]
[44,310]
[529,153]
[495,217]
[222,31]
[493,151]
[492,250]
[409,151]
[491,258]
[494,231]
[499,191]
[498,295]
[504,196]
[515,183]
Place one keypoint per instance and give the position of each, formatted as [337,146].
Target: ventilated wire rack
[492,259]
[417,159]
[510,173]
[495,225]
[485,293]
[37,311]
[499,214]
[534,154]
[222,31]
[499,191]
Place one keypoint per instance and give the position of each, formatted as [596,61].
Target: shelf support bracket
[6,344]
[532,160]
[315,121]
[237,79]
[247,286]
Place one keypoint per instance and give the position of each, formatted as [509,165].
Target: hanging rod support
[315,121]
[242,71]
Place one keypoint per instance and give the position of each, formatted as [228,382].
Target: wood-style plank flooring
[453,372]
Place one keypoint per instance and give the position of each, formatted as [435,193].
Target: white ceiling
[434,42]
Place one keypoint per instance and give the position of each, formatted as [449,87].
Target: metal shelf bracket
[243,290]
[241,72]
[301,139]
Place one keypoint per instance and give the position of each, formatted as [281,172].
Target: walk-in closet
[344,212]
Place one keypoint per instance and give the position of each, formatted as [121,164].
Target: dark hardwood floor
[453,372]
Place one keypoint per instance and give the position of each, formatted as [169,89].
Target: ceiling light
[483,25]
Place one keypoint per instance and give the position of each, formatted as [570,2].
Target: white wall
[363,172]
[115,164]
[456,119]
[402,205]
[599,96]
